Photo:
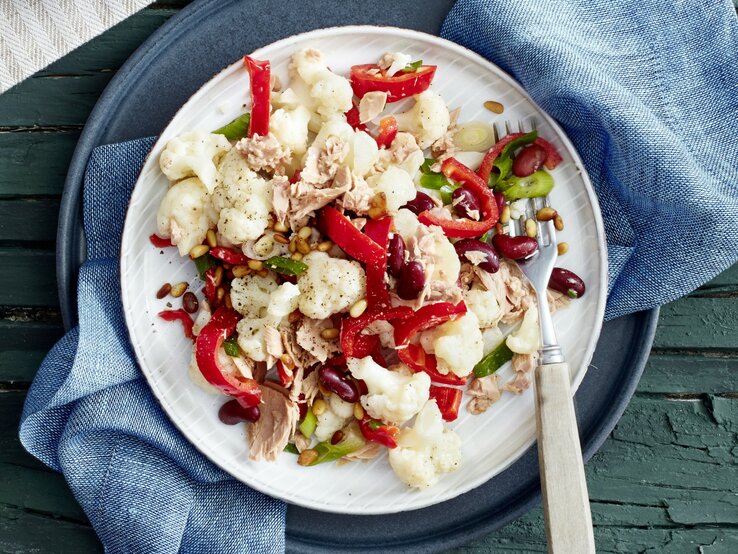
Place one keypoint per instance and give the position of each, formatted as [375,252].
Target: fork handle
[565,498]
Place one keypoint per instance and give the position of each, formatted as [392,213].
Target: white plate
[492,441]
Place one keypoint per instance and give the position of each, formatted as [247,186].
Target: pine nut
[293,244]
[358,411]
[329,334]
[255,265]
[494,107]
[558,223]
[178,289]
[505,215]
[358,308]
[296,256]
[263,272]
[302,245]
[562,248]
[546,214]
[281,239]
[319,407]
[220,294]
[325,246]
[227,301]
[190,303]
[218,277]
[163,291]
[307,457]
[530,228]
[281,227]
[212,239]
[305,232]
[287,360]
[241,270]
[199,250]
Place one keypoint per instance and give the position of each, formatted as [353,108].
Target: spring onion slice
[474,136]
[236,129]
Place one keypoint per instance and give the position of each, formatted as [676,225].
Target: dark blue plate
[160,76]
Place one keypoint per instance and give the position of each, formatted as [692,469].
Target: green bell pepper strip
[291,448]
[433,181]
[230,346]
[352,440]
[203,263]
[536,184]
[308,424]
[236,129]
[503,163]
[447,192]
[493,361]
[285,266]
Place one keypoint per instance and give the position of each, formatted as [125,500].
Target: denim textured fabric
[91,415]
[647,92]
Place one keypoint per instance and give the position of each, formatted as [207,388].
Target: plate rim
[461,51]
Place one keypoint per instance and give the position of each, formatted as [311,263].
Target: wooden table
[665,481]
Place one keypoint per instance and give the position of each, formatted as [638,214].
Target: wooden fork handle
[565,498]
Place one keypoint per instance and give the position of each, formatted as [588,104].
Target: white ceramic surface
[491,441]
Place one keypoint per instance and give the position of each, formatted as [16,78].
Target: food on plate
[357,275]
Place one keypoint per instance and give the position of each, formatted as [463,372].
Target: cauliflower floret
[194,153]
[363,155]
[284,300]
[334,418]
[485,306]
[331,94]
[330,285]
[426,450]
[251,294]
[458,345]
[527,338]
[290,127]
[251,338]
[397,186]
[394,396]
[183,214]
[243,200]
[427,120]
[394,62]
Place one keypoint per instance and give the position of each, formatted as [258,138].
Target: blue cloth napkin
[647,90]
[91,415]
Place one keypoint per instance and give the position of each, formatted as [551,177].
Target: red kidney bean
[411,281]
[491,262]
[232,413]
[396,255]
[421,203]
[528,160]
[337,437]
[567,282]
[336,381]
[514,248]
[500,199]
[189,302]
[466,204]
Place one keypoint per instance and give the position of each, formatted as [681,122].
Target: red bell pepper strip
[464,227]
[356,244]
[353,119]
[353,343]
[427,317]
[387,131]
[210,290]
[260,74]
[368,78]
[229,255]
[553,158]
[376,431]
[448,401]
[160,242]
[181,316]
[417,359]
[221,325]
[377,293]
[286,375]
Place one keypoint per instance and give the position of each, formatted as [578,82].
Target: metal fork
[565,498]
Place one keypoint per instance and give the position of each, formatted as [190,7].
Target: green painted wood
[18,367]
[30,335]
[726,282]
[699,323]
[28,220]
[34,164]
[27,277]
[680,374]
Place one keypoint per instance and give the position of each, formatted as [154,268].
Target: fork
[565,498]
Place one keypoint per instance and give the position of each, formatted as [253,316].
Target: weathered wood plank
[28,219]
[30,335]
[27,277]
[699,323]
[668,374]
[35,163]
[18,367]
[726,282]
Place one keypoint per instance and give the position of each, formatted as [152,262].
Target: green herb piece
[203,263]
[308,424]
[493,361]
[412,66]
[536,184]
[426,166]
[291,448]
[374,424]
[447,192]
[236,129]
[230,346]
[433,180]
[504,161]
[286,266]
[352,440]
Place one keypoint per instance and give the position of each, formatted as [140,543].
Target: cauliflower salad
[358,279]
